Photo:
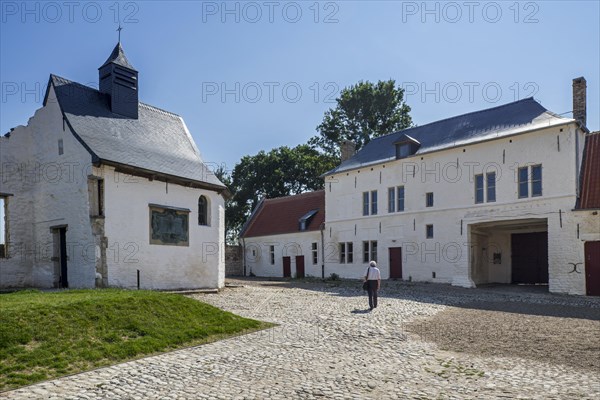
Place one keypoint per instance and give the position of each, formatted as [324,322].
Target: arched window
[202,210]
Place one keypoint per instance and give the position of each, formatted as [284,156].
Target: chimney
[119,80]
[347,149]
[579,100]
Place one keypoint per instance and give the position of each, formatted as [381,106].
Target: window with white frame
[315,253]
[272,254]
[400,206]
[530,181]
[485,191]
[346,253]
[369,202]
[369,250]
[391,200]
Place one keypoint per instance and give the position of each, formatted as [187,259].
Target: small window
[429,231]
[400,198]
[479,188]
[365,203]
[315,253]
[391,200]
[366,252]
[272,254]
[349,252]
[402,150]
[523,182]
[374,202]
[3,227]
[61,149]
[491,186]
[536,180]
[202,210]
[429,199]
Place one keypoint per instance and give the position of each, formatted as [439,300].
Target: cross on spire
[119,29]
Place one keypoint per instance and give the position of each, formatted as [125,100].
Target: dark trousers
[372,291]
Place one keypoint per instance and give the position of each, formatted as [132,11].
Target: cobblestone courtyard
[328,346]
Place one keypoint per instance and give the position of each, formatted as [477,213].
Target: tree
[281,172]
[363,111]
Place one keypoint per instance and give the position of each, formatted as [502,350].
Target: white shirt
[373,274]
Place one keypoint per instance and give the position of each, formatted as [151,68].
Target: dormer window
[406,146]
[305,219]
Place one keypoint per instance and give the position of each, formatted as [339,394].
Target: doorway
[395,262]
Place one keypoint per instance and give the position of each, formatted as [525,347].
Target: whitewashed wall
[449,252]
[49,190]
[127,227]
[258,261]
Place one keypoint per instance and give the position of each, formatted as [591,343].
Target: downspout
[322,251]
[244,254]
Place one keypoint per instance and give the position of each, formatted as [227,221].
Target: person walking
[373,279]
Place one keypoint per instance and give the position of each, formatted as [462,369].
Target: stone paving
[327,346]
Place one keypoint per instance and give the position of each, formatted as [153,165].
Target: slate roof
[589,197]
[118,57]
[157,142]
[491,123]
[283,214]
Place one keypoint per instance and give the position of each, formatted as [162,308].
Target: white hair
[373,264]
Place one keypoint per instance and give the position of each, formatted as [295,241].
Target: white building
[283,237]
[101,190]
[485,197]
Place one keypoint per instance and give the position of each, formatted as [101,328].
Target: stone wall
[234,263]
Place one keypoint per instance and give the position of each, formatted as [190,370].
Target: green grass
[46,335]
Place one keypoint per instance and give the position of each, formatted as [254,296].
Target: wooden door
[529,255]
[592,268]
[395,262]
[299,266]
[287,269]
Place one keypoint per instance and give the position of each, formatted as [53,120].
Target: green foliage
[363,111]
[46,335]
[281,172]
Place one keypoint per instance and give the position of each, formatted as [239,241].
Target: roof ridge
[294,195]
[459,116]
[150,106]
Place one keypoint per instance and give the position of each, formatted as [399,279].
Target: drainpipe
[322,251]
[244,254]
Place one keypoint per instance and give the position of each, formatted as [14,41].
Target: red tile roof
[590,173]
[282,215]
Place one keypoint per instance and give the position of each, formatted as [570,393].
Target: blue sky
[250,76]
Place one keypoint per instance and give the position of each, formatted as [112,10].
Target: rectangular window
[536,180]
[374,250]
[523,182]
[365,203]
[315,253]
[61,148]
[96,196]
[3,227]
[272,254]
[490,178]
[429,199]
[374,202]
[402,150]
[429,231]
[400,198]
[369,251]
[169,225]
[349,252]
[346,253]
[391,199]
[479,188]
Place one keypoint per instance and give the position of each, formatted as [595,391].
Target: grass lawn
[46,335]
